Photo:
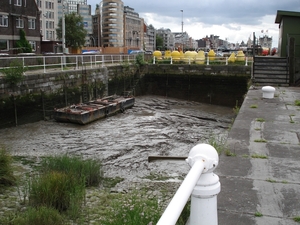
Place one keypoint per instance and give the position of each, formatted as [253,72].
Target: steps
[273,71]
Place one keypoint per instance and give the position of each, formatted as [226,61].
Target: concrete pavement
[264,176]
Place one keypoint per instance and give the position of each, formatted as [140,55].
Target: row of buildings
[114,28]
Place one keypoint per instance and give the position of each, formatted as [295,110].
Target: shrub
[6,171]
[14,74]
[89,170]
[38,216]
[57,190]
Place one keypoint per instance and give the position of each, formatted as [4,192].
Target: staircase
[273,71]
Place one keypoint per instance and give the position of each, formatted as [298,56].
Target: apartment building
[48,19]
[112,23]
[133,29]
[14,16]
[85,12]
[149,38]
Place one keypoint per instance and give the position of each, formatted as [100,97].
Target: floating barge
[85,113]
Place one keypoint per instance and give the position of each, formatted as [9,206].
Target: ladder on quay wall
[84,85]
[272,71]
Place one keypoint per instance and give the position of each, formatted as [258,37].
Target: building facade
[85,12]
[149,38]
[112,13]
[17,15]
[168,38]
[133,29]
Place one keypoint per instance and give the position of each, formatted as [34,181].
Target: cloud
[233,19]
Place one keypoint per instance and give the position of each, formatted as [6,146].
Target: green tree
[23,44]
[159,42]
[74,33]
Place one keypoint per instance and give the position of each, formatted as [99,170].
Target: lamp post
[63,27]
[182,29]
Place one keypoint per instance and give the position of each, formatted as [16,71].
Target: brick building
[14,16]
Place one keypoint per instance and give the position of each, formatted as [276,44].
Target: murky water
[154,126]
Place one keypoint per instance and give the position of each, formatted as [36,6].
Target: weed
[236,108]
[57,190]
[229,153]
[271,180]
[245,156]
[297,219]
[88,169]
[109,182]
[154,176]
[217,142]
[260,140]
[38,216]
[258,214]
[132,208]
[253,106]
[6,171]
[260,120]
[258,156]
[297,102]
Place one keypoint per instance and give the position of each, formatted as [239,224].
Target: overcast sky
[234,20]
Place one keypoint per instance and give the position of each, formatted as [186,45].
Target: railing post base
[204,200]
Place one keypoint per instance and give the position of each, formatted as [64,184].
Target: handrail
[60,61]
[201,184]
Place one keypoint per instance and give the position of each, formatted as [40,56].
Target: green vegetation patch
[6,170]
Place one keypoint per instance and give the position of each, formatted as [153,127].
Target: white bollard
[204,196]
[268,92]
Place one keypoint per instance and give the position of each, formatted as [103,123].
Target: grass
[229,153]
[297,219]
[61,191]
[297,102]
[90,170]
[260,140]
[131,208]
[260,120]
[253,106]
[259,156]
[7,177]
[38,216]
[219,143]
[258,214]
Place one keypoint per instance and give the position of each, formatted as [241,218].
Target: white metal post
[202,184]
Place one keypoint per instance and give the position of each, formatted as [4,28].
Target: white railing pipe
[204,186]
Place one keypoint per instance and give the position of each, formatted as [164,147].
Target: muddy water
[154,126]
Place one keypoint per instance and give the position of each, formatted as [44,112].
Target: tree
[74,33]
[23,44]
[159,42]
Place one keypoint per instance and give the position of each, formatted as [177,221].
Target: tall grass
[218,142]
[6,171]
[39,216]
[90,170]
[57,190]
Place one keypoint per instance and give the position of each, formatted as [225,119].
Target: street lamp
[182,29]
[63,27]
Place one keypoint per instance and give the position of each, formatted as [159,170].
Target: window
[3,44]
[18,2]
[31,23]
[33,45]
[3,21]
[19,22]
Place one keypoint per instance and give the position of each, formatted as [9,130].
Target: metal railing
[202,185]
[60,62]
[206,61]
